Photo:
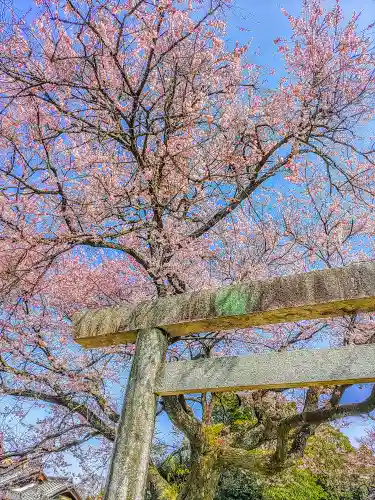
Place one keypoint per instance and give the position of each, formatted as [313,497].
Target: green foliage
[228,410]
[237,485]
[175,469]
[329,447]
[295,484]
[212,432]
[331,457]
[326,472]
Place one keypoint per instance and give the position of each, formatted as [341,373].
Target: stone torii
[312,295]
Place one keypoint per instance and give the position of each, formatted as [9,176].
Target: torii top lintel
[312,295]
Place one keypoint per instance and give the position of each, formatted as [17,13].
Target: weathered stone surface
[300,368]
[131,455]
[317,294]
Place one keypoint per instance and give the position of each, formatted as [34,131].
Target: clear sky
[261,22]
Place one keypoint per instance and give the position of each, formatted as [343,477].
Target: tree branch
[302,420]
[62,400]
[183,418]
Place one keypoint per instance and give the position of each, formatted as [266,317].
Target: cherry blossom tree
[142,157]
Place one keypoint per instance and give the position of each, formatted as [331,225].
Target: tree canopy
[331,468]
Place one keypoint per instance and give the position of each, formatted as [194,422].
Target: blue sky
[264,22]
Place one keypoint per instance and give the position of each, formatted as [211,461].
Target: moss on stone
[212,432]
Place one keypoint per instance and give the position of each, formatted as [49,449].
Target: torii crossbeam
[317,294]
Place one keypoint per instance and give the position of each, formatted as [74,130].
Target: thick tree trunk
[131,456]
[203,478]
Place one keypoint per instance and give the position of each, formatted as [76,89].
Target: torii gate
[317,294]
